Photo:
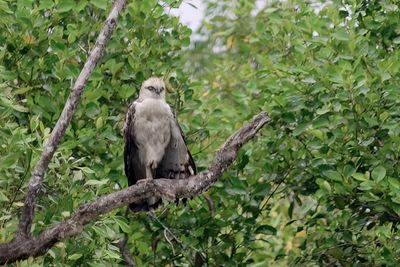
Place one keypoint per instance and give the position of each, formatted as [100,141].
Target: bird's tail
[145,204]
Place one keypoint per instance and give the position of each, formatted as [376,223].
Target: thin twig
[169,241]
[124,249]
[21,181]
[168,231]
[210,204]
[276,188]
[154,217]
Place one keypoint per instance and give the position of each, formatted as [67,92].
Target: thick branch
[36,180]
[165,188]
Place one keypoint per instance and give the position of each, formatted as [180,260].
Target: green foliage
[319,186]
[328,75]
[43,46]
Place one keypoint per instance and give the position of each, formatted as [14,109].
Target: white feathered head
[153,87]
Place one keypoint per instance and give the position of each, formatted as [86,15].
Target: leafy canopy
[319,186]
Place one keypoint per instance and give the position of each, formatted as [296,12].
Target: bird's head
[153,88]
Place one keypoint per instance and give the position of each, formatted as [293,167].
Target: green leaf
[46,4]
[324,184]
[124,226]
[348,170]
[75,256]
[100,231]
[261,189]
[97,182]
[235,191]
[396,40]
[5,8]
[243,160]
[8,162]
[66,214]
[266,229]
[12,104]
[366,185]
[102,4]
[395,183]
[334,175]
[65,5]
[300,129]
[378,173]
[87,170]
[112,254]
[186,42]
[359,176]
[23,90]
[3,197]
[309,80]
[341,34]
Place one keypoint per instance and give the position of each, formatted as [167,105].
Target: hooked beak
[158,91]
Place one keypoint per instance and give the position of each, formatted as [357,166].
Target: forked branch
[164,188]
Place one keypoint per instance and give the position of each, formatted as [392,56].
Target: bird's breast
[152,128]
[153,109]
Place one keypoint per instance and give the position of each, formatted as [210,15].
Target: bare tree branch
[36,180]
[210,204]
[124,249]
[164,188]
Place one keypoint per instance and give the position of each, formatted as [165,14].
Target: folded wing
[134,168]
[177,162]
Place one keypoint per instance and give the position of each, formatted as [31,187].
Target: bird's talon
[144,180]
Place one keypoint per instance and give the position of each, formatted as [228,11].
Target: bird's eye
[151,88]
[162,88]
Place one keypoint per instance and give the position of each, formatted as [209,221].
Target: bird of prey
[154,142]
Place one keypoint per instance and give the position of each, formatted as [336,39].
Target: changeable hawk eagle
[154,142]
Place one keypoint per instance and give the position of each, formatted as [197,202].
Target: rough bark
[164,188]
[36,180]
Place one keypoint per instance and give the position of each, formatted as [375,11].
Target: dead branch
[124,247]
[36,180]
[124,250]
[165,188]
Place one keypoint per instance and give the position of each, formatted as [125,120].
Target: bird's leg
[149,174]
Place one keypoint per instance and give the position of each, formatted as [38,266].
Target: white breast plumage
[153,131]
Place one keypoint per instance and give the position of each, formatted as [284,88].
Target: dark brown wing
[134,169]
[177,162]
